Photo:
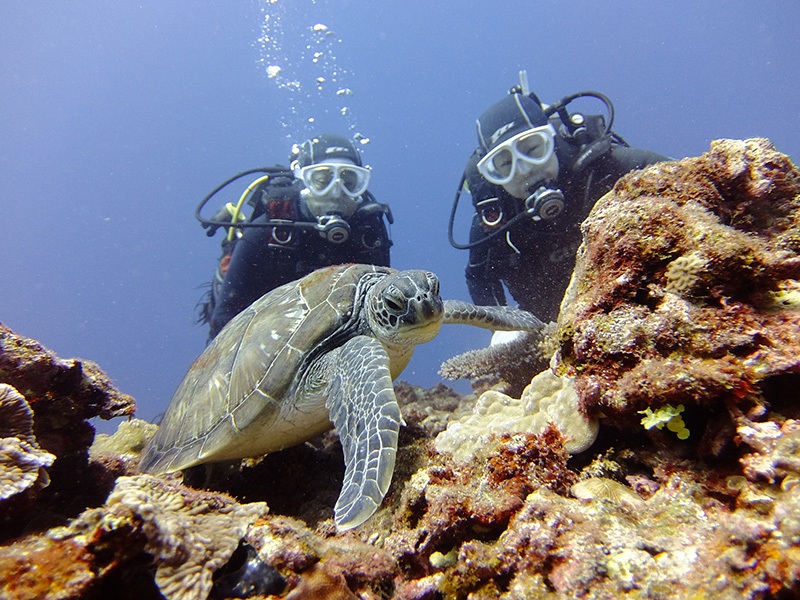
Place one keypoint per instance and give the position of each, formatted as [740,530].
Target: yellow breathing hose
[237,210]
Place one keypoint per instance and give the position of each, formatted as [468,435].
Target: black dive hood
[591,137]
[366,209]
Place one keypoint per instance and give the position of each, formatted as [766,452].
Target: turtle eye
[433,281]
[393,305]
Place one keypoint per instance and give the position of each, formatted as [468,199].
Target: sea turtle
[318,351]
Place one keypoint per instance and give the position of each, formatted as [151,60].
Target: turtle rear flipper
[364,410]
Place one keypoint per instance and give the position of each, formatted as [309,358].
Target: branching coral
[514,362]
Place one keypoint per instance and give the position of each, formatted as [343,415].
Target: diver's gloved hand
[505,337]
[225,213]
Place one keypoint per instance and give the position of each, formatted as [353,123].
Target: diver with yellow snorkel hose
[315,213]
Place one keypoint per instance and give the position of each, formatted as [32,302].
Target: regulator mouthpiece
[333,228]
[545,204]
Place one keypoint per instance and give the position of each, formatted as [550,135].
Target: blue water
[117,118]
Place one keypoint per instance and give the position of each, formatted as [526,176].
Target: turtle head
[405,308]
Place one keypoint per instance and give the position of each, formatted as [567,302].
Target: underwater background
[117,119]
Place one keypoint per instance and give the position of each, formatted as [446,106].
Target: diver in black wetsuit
[533,180]
[316,213]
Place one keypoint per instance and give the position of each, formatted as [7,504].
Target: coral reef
[677,349]
[678,287]
[190,534]
[510,364]
[549,399]
[45,404]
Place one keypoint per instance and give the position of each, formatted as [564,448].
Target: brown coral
[189,534]
[674,295]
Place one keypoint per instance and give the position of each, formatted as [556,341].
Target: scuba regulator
[544,204]
[591,136]
[332,227]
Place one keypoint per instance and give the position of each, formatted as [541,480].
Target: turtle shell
[239,397]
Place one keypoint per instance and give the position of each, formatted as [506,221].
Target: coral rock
[682,287]
[75,388]
[189,534]
[547,399]
[777,448]
[62,394]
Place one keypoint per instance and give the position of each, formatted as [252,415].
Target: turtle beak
[425,305]
[428,310]
[423,319]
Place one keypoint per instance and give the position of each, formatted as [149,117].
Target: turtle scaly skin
[316,352]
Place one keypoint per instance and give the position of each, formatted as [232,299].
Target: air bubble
[295,52]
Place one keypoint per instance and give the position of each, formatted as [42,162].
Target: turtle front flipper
[498,318]
[364,410]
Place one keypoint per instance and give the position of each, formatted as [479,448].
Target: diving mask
[519,154]
[335,179]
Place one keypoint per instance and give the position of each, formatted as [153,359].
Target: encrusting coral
[673,296]
[130,439]
[189,534]
[548,399]
[681,321]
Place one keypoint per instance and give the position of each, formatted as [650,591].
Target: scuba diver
[315,213]
[533,180]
